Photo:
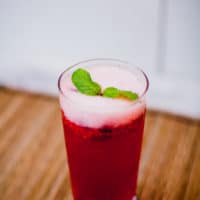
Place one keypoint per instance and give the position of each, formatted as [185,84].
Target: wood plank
[193,187]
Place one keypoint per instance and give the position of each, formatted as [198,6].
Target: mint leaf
[111,92]
[81,75]
[84,84]
[128,94]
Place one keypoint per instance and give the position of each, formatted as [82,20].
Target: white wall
[182,57]
[39,38]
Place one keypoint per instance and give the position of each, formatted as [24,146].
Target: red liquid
[104,162]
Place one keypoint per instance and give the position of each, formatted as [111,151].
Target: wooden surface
[33,162]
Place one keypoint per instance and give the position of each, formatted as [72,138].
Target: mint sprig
[84,84]
[113,92]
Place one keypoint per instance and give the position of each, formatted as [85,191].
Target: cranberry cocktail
[103,111]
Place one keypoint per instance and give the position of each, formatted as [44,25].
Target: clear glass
[103,161]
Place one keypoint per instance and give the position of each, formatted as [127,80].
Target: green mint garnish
[113,92]
[84,83]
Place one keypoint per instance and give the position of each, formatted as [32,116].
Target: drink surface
[98,111]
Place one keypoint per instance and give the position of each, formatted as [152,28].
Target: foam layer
[97,111]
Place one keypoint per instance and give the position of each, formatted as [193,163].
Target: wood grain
[33,161]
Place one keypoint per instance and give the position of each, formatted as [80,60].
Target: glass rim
[109,60]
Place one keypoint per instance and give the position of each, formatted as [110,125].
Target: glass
[103,160]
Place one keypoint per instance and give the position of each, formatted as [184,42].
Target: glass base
[134,198]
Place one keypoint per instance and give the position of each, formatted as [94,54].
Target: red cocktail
[103,146]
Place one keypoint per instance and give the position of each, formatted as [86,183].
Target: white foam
[97,111]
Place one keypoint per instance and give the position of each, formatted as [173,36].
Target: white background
[40,38]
